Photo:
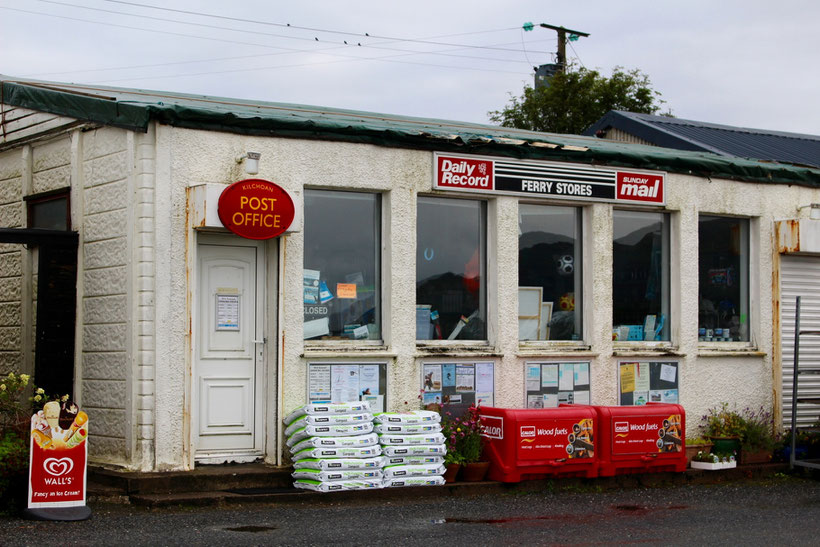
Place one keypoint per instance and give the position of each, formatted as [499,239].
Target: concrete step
[206,478]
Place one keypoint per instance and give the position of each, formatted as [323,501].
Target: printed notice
[566,377]
[319,382]
[627,378]
[642,377]
[549,376]
[465,378]
[668,373]
[227,312]
[533,380]
[484,378]
[346,290]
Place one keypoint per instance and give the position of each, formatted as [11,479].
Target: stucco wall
[137,254]
[707,377]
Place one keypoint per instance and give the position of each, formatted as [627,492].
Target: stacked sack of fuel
[413,448]
[333,447]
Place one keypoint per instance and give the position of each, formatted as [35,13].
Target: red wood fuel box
[640,439]
[526,444]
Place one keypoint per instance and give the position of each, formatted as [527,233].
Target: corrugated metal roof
[741,142]
[135,108]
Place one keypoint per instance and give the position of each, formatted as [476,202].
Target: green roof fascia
[134,109]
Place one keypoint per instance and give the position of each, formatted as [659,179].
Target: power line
[281,25]
[288,25]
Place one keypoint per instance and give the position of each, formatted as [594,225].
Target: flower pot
[751,456]
[451,472]
[475,472]
[713,466]
[725,445]
[693,449]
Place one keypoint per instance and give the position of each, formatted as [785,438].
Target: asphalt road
[778,511]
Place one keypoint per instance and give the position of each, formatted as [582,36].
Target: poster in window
[549,384]
[648,381]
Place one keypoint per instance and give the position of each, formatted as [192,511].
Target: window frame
[44,197]
[669,307]
[486,245]
[752,284]
[581,250]
[382,311]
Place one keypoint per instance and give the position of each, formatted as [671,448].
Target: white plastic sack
[395,471]
[413,460]
[413,417]
[340,463]
[415,450]
[344,430]
[407,429]
[352,407]
[341,452]
[334,486]
[327,475]
[401,440]
[330,419]
[318,442]
[414,481]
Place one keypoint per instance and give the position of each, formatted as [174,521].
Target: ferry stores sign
[256,209]
[548,179]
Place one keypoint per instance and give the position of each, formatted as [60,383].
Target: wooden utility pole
[562,43]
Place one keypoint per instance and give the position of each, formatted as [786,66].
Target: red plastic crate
[641,439]
[524,444]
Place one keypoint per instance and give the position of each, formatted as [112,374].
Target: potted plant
[713,462]
[465,444]
[723,427]
[453,460]
[757,440]
[695,445]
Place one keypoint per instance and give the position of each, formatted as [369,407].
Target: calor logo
[528,431]
[621,427]
[58,467]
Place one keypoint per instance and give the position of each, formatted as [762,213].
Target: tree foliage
[575,99]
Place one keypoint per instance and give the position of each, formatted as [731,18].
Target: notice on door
[227,312]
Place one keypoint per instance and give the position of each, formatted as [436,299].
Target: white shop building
[425,259]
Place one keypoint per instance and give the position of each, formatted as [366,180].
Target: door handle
[262,341]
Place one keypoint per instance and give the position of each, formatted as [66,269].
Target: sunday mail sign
[547,179]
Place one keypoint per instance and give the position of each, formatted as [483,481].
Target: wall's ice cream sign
[59,449]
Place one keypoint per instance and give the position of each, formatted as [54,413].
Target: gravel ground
[779,511]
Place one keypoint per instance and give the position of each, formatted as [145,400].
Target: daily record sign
[480,174]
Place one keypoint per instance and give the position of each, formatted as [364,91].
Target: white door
[227,383]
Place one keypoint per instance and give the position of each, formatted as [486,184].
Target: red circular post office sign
[255,209]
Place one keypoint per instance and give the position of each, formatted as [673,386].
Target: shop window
[342,266]
[723,276]
[49,211]
[549,273]
[640,276]
[451,301]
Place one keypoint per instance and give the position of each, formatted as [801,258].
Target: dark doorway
[56,305]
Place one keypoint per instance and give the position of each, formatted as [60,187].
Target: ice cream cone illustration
[51,411]
[79,421]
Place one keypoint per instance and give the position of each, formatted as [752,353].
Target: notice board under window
[346,382]
[549,384]
[455,386]
[643,382]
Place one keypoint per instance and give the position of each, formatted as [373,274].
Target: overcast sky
[748,63]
